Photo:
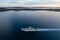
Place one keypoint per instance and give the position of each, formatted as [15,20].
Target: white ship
[29,29]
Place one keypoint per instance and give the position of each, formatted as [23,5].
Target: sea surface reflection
[11,23]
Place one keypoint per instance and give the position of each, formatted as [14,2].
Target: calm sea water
[11,23]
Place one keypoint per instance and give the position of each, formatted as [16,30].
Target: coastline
[28,9]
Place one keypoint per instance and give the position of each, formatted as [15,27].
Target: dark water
[12,21]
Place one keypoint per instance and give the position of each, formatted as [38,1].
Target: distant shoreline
[28,9]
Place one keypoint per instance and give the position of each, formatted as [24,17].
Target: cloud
[56,0]
[38,1]
[8,1]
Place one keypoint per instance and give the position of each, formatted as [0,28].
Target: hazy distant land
[30,8]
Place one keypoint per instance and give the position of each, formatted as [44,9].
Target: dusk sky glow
[48,3]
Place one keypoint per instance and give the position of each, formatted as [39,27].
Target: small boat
[29,29]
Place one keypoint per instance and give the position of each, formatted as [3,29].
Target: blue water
[11,23]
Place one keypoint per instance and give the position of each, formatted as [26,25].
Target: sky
[47,3]
[31,1]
